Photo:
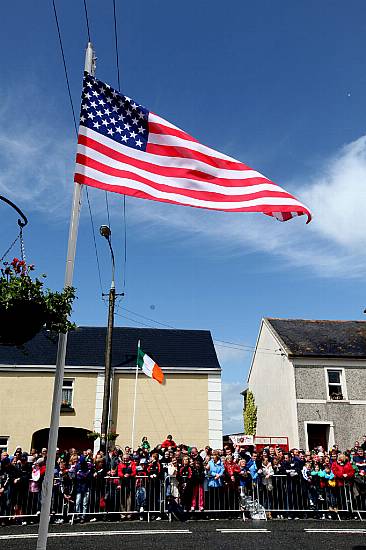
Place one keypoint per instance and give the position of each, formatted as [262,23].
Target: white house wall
[214,411]
[272,382]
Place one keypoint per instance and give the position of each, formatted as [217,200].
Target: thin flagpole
[135,398]
[47,485]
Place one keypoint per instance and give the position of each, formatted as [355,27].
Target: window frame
[68,388]
[342,383]
[4,448]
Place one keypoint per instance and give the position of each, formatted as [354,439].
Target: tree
[250,414]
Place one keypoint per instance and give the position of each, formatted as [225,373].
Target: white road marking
[243,530]
[101,533]
[341,531]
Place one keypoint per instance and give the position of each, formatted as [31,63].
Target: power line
[149,319]
[116,44]
[125,242]
[107,207]
[94,241]
[221,343]
[65,68]
[75,125]
[124,196]
[106,195]
[242,345]
[87,20]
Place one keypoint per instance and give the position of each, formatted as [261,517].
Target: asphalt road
[257,535]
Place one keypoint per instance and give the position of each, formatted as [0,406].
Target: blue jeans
[82,501]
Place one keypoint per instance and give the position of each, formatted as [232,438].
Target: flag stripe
[158,374]
[179,142]
[149,367]
[183,187]
[265,209]
[103,154]
[94,159]
[153,117]
[185,152]
[103,144]
[156,128]
[133,188]
[148,363]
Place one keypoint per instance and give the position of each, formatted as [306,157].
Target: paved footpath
[256,535]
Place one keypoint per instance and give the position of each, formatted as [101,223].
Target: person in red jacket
[342,470]
[231,478]
[343,474]
[168,442]
[232,470]
[127,473]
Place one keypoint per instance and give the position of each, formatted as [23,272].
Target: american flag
[125,148]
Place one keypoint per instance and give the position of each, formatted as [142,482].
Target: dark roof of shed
[304,337]
[85,347]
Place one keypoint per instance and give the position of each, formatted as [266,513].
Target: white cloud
[36,171]
[331,245]
[338,197]
[232,405]
[37,165]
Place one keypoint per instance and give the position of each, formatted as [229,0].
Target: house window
[3,444]
[336,384]
[67,392]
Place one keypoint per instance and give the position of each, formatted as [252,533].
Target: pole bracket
[20,222]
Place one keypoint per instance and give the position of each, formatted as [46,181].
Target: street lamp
[106,233]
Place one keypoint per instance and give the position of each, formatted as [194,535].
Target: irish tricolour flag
[148,366]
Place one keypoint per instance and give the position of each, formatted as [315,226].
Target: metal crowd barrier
[358,500]
[146,498]
[115,498]
[109,497]
[200,497]
[289,496]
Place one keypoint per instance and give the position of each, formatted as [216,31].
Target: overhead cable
[75,125]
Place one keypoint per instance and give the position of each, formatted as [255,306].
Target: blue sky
[280,86]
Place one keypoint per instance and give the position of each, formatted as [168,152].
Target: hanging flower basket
[26,307]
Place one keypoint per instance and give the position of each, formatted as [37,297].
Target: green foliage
[18,290]
[250,414]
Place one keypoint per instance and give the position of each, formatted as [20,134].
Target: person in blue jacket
[215,471]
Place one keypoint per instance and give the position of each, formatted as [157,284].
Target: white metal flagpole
[47,484]
[134,400]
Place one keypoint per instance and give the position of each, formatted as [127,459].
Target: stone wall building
[309,381]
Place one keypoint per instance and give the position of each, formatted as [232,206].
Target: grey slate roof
[309,338]
[169,348]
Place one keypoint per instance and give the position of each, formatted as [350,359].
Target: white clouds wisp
[37,165]
[332,245]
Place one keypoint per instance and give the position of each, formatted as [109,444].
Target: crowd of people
[127,483]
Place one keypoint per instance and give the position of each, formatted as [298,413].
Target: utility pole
[106,233]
